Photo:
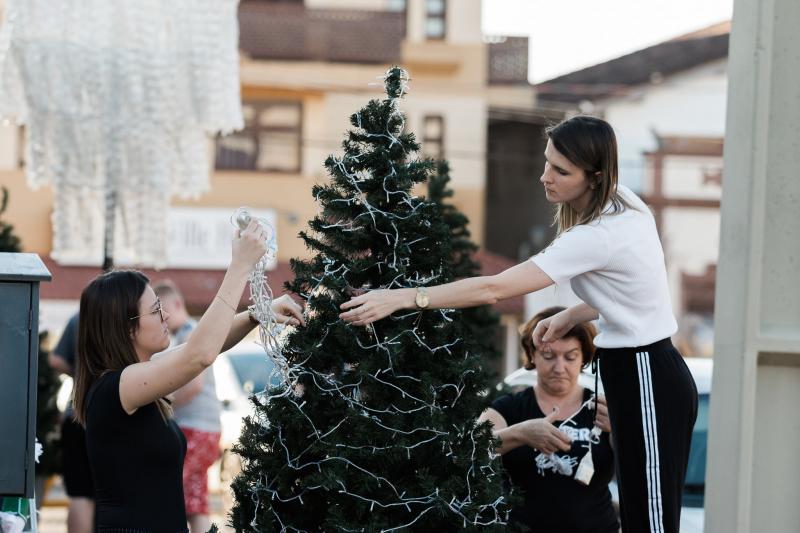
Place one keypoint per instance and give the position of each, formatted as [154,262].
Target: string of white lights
[348,397]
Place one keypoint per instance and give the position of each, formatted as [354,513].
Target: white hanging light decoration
[118,100]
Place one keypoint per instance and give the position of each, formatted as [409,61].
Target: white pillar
[415,20]
[753,476]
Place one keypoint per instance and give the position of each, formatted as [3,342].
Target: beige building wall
[28,211]
[330,93]
[9,146]
[520,97]
[288,194]
[415,23]
[448,78]
[463,21]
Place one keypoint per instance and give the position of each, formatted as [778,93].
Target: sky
[567,35]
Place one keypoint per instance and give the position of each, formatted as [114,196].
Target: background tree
[481,322]
[48,417]
[373,428]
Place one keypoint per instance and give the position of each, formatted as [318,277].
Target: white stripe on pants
[649,427]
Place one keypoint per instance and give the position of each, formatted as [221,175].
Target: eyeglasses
[159,309]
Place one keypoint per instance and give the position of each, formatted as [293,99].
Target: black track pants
[652,404]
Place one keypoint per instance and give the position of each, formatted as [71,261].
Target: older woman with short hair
[555,450]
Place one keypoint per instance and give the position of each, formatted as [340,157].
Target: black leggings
[652,404]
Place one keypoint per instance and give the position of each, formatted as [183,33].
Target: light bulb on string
[242,217]
[261,295]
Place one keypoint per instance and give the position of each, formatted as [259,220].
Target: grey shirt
[202,412]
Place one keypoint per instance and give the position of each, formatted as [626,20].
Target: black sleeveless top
[136,462]
[553,501]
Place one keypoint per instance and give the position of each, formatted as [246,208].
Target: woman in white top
[609,250]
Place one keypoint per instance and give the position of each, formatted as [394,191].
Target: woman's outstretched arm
[553,328]
[143,383]
[286,310]
[469,292]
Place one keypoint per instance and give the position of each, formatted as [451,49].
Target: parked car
[692,513]
[240,372]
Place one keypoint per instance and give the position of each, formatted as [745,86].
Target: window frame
[436,16]
[254,130]
[427,139]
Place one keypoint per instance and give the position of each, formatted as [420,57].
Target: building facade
[305,68]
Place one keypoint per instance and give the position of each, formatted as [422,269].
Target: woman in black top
[545,456]
[135,449]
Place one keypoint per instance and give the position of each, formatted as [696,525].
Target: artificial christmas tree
[373,428]
[480,322]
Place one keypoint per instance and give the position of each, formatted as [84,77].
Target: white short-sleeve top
[616,265]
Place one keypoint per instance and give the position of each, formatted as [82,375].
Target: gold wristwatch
[421,298]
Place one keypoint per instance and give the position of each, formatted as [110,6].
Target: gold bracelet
[225,302]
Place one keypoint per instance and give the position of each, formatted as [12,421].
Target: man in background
[78,482]
[197,413]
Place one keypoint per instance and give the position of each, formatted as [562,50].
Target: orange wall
[290,195]
[29,212]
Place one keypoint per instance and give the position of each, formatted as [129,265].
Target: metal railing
[294,32]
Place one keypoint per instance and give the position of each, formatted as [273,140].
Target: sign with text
[201,237]
[197,238]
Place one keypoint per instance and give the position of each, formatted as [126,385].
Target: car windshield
[253,370]
[694,488]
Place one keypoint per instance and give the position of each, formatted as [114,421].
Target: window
[433,136]
[435,19]
[396,5]
[270,141]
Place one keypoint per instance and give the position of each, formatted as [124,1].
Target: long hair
[590,144]
[105,332]
[584,332]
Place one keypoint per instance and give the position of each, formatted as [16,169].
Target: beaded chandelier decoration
[118,100]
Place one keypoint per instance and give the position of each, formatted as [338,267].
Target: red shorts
[202,449]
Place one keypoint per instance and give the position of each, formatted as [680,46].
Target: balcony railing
[294,32]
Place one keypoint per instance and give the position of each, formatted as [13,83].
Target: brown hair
[590,144]
[583,332]
[104,332]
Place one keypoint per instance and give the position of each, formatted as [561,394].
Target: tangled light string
[261,295]
[350,394]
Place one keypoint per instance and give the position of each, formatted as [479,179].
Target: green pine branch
[376,428]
